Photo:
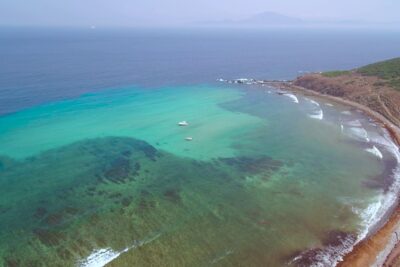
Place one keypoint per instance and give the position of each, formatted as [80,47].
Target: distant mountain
[270,18]
[267,18]
[261,19]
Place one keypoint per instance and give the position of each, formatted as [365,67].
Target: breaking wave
[101,257]
[222,256]
[346,112]
[313,102]
[359,133]
[371,214]
[375,151]
[319,115]
[317,112]
[293,97]
[354,123]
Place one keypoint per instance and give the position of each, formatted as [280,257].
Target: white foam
[359,133]
[329,104]
[317,112]
[330,255]
[370,214]
[346,112]
[375,151]
[293,97]
[319,115]
[356,130]
[354,123]
[313,102]
[101,257]
[376,210]
[221,257]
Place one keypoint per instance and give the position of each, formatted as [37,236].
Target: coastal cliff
[376,86]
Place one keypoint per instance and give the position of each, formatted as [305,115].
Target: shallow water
[111,175]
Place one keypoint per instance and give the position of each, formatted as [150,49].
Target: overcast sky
[180,12]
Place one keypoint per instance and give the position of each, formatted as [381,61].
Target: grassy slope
[388,71]
[335,73]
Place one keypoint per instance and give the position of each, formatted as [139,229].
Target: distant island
[264,19]
[274,19]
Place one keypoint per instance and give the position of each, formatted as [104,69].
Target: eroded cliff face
[366,90]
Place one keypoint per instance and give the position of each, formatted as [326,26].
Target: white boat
[189,138]
[183,123]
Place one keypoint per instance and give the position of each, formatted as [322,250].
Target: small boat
[189,138]
[183,123]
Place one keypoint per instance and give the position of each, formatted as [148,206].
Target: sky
[128,13]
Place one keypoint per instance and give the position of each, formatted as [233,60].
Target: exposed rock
[369,91]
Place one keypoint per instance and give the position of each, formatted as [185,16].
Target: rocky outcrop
[369,91]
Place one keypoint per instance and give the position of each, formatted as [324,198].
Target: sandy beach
[382,247]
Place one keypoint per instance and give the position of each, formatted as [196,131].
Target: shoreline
[382,246]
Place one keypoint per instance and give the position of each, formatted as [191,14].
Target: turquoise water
[150,115]
[110,174]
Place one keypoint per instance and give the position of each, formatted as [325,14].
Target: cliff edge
[376,86]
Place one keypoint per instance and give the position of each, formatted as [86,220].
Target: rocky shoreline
[381,248]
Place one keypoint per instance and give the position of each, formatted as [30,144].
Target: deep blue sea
[95,169]
[42,65]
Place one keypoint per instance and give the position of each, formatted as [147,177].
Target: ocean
[95,170]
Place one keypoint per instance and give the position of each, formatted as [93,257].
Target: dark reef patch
[104,191]
[150,151]
[118,170]
[145,205]
[173,195]
[115,195]
[54,218]
[126,201]
[49,237]
[4,209]
[252,165]
[6,162]
[12,262]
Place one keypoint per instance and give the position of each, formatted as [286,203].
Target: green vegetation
[388,70]
[335,73]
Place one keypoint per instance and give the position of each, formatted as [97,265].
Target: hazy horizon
[154,13]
